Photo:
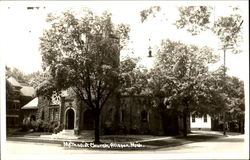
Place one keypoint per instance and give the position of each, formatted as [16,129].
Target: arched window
[42,116]
[144,116]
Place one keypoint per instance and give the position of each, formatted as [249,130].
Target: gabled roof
[28,91]
[14,82]
[33,104]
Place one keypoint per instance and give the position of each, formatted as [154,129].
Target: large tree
[228,30]
[180,77]
[81,52]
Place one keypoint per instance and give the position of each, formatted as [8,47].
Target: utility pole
[224,76]
[224,114]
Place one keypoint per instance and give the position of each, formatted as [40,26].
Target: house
[22,94]
[13,104]
[200,122]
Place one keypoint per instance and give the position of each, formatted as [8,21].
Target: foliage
[194,18]
[45,86]
[17,74]
[236,100]
[229,31]
[152,11]
[133,79]
[41,126]
[181,73]
[227,28]
[58,128]
[226,94]
[36,78]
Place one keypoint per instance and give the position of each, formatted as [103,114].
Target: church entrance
[70,119]
[88,120]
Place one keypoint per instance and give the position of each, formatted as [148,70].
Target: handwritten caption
[105,145]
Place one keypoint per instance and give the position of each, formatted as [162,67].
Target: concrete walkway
[198,145]
[149,141]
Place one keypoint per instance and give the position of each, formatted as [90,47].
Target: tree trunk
[224,125]
[185,122]
[164,121]
[239,125]
[97,126]
[243,127]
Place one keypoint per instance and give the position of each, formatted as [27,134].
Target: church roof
[28,91]
[32,104]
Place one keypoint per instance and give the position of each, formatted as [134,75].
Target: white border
[126,156]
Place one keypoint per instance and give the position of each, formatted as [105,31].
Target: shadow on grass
[199,138]
[211,138]
[26,133]
[121,139]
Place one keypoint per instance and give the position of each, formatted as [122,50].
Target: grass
[21,133]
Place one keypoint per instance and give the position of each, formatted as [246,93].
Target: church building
[120,115]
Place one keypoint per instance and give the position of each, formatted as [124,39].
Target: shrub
[26,125]
[58,128]
[45,126]
[39,126]
[52,125]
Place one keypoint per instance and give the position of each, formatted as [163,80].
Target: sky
[22,28]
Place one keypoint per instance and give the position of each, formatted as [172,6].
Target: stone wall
[109,119]
[134,115]
[138,116]
[43,108]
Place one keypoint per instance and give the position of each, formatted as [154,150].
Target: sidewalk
[148,141]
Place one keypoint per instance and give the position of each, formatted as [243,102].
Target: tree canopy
[146,13]
[194,18]
[180,77]
[133,78]
[19,75]
[181,72]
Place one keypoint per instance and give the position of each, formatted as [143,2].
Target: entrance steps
[64,134]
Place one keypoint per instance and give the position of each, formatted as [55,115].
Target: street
[230,147]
